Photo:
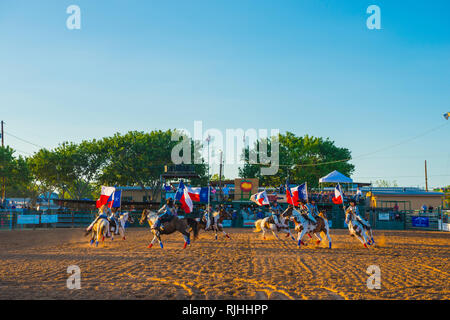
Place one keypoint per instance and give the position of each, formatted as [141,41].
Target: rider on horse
[276,211]
[165,213]
[207,216]
[114,219]
[313,209]
[305,211]
[353,209]
[102,213]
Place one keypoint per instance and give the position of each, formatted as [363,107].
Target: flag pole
[306,186]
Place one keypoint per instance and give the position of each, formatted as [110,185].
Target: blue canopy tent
[335,177]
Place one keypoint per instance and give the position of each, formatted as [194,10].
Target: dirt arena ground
[33,265]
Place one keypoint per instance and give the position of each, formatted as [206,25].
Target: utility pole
[3,178]
[426,176]
[220,176]
[208,139]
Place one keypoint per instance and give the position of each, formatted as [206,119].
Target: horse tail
[100,230]
[257,226]
[194,225]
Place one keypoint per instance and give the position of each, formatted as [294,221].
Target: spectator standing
[226,193]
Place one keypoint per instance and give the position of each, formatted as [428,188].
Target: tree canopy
[302,159]
[77,170]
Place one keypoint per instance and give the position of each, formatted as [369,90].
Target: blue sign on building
[422,222]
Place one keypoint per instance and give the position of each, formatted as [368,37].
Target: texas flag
[338,195]
[260,198]
[198,194]
[106,196]
[293,195]
[182,195]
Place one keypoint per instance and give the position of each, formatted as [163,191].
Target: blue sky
[309,67]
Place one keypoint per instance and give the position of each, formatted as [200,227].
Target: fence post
[73,220]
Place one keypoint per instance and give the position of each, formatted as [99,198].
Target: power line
[363,155]
[26,141]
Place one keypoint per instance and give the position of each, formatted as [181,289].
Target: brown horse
[305,226]
[184,226]
[217,218]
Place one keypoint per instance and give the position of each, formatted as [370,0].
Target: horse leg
[186,240]
[99,234]
[319,238]
[122,233]
[274,233]
[264,233]
[327,232]
[300,237]
[371,236]
[153,241]
[361,238]
[159,239]
[92,238]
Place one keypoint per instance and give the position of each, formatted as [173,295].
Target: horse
[184,226]
[359,230]
[305,226]
[268,224]
[100,231]
[123,219]
[216,224]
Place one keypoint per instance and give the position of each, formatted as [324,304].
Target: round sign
[246,186]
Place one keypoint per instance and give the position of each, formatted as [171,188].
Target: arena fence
[401,220]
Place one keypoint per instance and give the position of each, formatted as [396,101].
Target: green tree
[16,173]
[386,183]
[301,158]
[138,159]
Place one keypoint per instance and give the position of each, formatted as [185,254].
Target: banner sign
[446,226]
[422,222]
[384,216]
[28,219]
[226,223]
[249,223]
[49,218]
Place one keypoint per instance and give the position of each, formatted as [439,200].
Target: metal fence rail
[381,220]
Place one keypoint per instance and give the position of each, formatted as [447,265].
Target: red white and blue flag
[109,196]
[338,195]
[198,194]
[182,195]
[293,195]
[260,198]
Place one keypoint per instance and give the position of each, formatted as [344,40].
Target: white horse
[357,229]
[267,224]
[305,226]
[100,231]
[124,217]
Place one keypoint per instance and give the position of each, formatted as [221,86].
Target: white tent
[335,177]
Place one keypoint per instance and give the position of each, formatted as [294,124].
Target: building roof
[399,191]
